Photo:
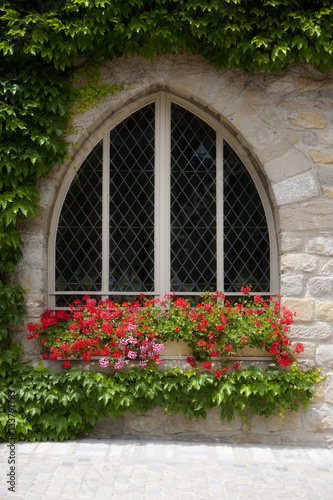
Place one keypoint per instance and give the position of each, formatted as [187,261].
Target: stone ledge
[156,424]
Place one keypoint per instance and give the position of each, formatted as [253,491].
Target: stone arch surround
[283,123]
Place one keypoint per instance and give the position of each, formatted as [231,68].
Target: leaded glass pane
[79,235]
[193,203]
[132,202]
[246,238]
[66,300]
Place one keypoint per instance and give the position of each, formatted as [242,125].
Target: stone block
[319,419]
[295,189]
[185,73]
[215,426]
[325,311]
[33,225]
[258,424]
[291,285]
[329,389]
[314,215]
[177,424]
[325,356]
[319,392]
[289,244]
[304,308]
[307,364]
[108,427]
[35,302]
[294,101]
[291,164]
[324,102]
[308,120]
[32,281]
[321,245]
[246,105]
[229,85]
[321,156]
[326,138]
[309,84]
[309,138]
[327,268]
[320,286]
[33,251]
[270,149]
[290,422]
[262,126]
[148,424]
[327,192]
[325,175]
[299,262]
[281,84]
[47,192]
[317,332]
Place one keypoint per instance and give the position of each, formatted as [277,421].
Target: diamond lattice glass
[193,203]
[132,202]
[79,235]
[246,238]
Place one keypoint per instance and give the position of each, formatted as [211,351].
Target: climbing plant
[59,406]
[44,44]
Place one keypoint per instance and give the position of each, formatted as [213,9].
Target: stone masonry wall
[283,123]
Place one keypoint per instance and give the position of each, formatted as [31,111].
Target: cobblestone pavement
[132,469]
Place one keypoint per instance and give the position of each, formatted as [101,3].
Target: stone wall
[283,123]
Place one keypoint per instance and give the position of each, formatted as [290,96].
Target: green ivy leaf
[227,412]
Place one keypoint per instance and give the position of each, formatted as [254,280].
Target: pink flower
[104,362]
[132,354]
[158,348]
[119,364]
[143,363]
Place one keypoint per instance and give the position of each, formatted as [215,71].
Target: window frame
[162,102]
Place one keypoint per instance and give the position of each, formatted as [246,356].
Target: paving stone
[144,470]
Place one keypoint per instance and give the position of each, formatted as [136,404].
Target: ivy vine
[44,42]
[56,406]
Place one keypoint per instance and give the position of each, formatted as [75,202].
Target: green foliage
[89,93]
[242,33]
[42,44]
[58,406]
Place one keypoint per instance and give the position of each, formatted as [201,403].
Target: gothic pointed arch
[165,201]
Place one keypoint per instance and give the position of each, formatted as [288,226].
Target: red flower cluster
[215,329]
[103,329]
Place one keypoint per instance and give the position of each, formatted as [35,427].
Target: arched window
[161,204]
